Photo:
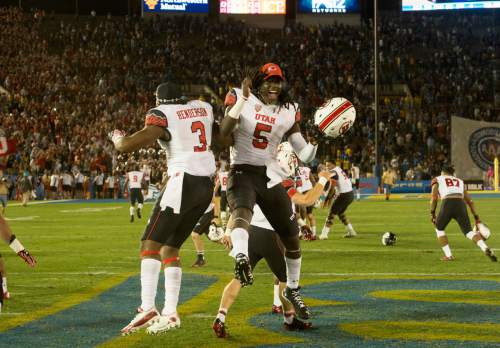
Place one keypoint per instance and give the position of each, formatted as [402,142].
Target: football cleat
[293,295]
[488,252]
[219,329]
[297,325]
[350,233]
[277,309]
[131,218]
[139,213]
[141,320]
[242,270]
[163,324]
[323,236]
[199,263]
[447,258]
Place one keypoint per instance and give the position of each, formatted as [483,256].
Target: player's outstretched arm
[232,114]
[304,150]
[143,138]
[312,196]
[14,243]
[434,200]
[470,204]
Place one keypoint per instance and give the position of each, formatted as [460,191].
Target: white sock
[173,276]
[4,284]
[325,231]
[276,300]
[139,206]
[131,210]
[301,222]
[480,243]
[293,272]
[150,272]
[358,195]
[239,238]
[313,229]
[349,227]
[447,250]
[222,314]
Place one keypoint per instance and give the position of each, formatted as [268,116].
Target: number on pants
[199,127]
[259,140]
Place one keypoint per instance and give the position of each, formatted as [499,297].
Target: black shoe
[242,270]
[488,252]
[297,325]
[131,218]
[139,213]
[293,295]
[219,329]
[200,262]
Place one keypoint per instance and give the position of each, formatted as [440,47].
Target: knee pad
[440,234]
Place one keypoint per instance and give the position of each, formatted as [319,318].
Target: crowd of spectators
[70,80]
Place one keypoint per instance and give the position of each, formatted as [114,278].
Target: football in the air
[388,238]
[335,117]
[483,230]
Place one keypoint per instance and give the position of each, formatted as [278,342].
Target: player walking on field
[134,180]
[341,188]
[184,130]
[454,199]
[259,121]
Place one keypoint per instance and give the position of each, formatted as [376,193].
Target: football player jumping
[258,122]
[14,243]
[184,128]
[264,244]
[454,199]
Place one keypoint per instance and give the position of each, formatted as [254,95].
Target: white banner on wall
[474,145]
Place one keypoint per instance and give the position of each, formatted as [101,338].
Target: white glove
[116,135]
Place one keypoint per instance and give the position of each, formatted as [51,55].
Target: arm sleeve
[305,151]
[155,117]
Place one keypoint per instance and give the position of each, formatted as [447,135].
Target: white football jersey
[190,127]
[259,219]
[449,185]
[354,173]
[343,184]
[260,129]
[305,178]
[223,177]
[54,180]
[135,179]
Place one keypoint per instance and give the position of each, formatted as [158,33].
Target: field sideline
[86,285]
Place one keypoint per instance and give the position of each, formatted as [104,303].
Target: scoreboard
[253,6]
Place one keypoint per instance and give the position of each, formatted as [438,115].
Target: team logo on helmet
[484,146]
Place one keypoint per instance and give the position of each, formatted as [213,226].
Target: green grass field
[86,285]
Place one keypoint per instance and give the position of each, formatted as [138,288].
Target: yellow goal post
[495,170]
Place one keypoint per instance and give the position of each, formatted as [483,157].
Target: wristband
[16,246]
[323,181]
[237,107]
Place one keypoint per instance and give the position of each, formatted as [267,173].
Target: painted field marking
[90,210]
[23,218]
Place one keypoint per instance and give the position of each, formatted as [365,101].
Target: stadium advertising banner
[253,6]
[187,6]
[474,146]
[328,6]
[414,186]
[429,5]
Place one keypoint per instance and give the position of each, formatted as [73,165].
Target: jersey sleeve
[230,98]
[155,117]
[298,115]
[335,176]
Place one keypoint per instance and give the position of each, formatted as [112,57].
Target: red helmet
[271,69]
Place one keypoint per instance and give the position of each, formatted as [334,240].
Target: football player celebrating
[184,128]
[454,199]
[134,181]
[342,188]
[264,244]
[258,122]
[14,243]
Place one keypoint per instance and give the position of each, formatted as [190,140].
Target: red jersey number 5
[259,140]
